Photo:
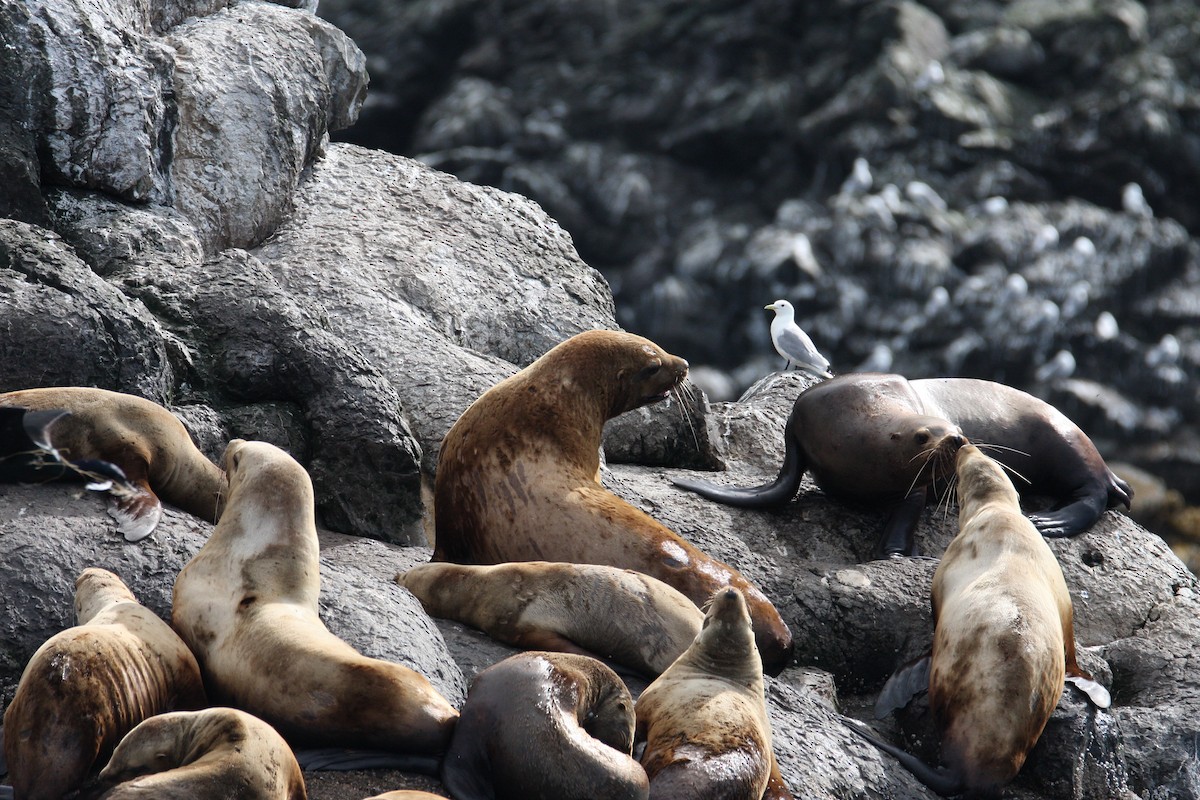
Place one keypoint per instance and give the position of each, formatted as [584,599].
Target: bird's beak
[770,307]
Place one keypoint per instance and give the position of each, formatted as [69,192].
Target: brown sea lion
[1003,638]
[89,685]
[545,726]
[196,755]
[143,439]
[247,606]
[590,609]
[867,437]
[518,477]
[705,721]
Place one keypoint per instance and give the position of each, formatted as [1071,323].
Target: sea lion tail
[768,495]
[939,779]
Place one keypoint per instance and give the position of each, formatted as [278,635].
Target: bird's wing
[799,347]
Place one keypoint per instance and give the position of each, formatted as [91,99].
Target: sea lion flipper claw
[908,681]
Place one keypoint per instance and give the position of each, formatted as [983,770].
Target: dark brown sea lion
[1003,639]
[867,437]
[89,685]
[214,753]
[247,606]
[704,720]
[518,477]
[545,726]
[589,609]
[149,445]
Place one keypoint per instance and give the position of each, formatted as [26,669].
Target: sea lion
[214,753]
[518,477]
[545,726]
[867,437]
[89,685]
[704,720]
[150,446]
[1003,638]
[247,605]
[590,609]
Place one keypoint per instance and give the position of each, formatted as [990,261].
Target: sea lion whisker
[988,446]
[684,395]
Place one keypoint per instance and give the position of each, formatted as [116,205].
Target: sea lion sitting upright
[1003,638]
[144,440]
[704,720]
[868,437]
[89,685]
[214,753]
[247,606]
[518,477]
[545,726]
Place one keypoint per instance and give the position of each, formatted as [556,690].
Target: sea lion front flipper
[908,681]
[137,511]
[898,534]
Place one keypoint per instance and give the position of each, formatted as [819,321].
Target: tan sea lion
[545,726]
[247,605]
[196,755]
[867,438]
[518,477]
[1003,638]
[89,685]
[593,610]
[705,721]
[143,439]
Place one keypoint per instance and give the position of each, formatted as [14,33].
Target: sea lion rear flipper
[1073,517]
[898,533]
[344,759]
[941,780]
[908,681]
[1090,686]
[776,787]
[768,495]
[137,512]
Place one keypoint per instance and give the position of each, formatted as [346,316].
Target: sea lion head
[274,479]
[725,645]
[982,481]
[153,746]
[629,371]
[930,444]
[95,590]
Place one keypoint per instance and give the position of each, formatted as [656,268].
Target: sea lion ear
[1091,687]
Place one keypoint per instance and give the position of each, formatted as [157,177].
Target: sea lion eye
[651,370]
[922,437]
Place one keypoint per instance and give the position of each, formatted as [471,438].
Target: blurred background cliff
[990,189]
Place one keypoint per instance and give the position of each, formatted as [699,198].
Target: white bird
[793,343]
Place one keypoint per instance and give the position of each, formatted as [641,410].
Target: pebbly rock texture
[179,230]
[1025,208]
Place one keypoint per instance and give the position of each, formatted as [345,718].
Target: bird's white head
[782,308]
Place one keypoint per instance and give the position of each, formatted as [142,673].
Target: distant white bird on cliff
[793,343]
